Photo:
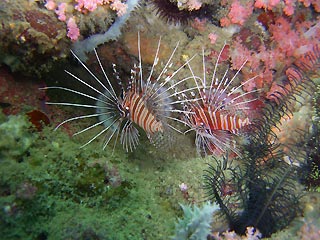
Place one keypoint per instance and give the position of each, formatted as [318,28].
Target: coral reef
[31,38]
[90,43]
[36,34]
[50,188]
[251,234]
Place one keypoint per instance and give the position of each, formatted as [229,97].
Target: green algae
[15,138]
[53,189]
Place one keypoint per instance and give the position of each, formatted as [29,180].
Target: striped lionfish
[219,111]
[143,102]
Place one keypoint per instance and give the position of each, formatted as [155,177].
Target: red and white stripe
[218,120]
[140,114]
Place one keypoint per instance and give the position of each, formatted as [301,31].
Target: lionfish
[142,103]
[218,112]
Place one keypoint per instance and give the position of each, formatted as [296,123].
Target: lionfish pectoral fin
[221,141]
[113,131]
[129,136]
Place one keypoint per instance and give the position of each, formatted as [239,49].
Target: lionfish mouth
[146,104]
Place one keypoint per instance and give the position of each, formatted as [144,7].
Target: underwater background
[266,185]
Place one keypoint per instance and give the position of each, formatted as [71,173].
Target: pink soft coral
[118,6]
[239,55]
[73,30]
[89,5]
[289,7]
[286,38]
[266,4]
[238,14]
[212,37]
[61,12]
[50,5]
[258,64]
[293,40]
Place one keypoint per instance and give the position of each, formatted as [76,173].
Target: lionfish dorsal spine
[217,113]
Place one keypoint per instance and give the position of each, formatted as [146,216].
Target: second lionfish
[143,102]
[219,112]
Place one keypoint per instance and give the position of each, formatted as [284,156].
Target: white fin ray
[112,93]
[78,93]
[97,135]
[215,70]
[168,79]
[94,76]
[106,142]
[76,105]
[157,97]
[88,85]
[151,89]
[228,82]
[232,101]
[77,118]
[155,62]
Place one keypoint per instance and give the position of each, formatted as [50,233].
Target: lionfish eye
[126,111]
[222,104]
[201,124]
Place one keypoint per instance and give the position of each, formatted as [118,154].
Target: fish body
[139,113]
[219,111]
[144,103]
[215,120]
